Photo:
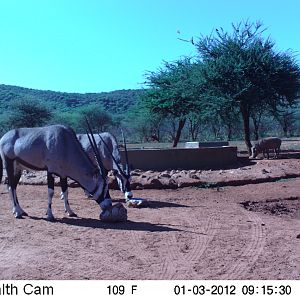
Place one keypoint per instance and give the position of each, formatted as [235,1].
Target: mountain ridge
[116,101]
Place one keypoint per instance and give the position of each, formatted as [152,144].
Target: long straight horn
[107,148]
[126,154]
[95,148]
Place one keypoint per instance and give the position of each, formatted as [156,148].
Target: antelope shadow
[154,204]
[128,225]
[96,223]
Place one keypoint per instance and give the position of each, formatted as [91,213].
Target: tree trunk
[285,126]
[246,122]
[178,131]
[193,132]
[194,126]
[256,126]
[229,132]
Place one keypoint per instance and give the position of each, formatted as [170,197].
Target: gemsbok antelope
[111,159]
[57,150]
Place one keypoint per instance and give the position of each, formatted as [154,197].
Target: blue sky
[104,45]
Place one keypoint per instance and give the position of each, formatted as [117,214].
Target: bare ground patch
[289,207]
[185,233]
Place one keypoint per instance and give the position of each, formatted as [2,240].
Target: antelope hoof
[72,214]
[18,215]
[50,218]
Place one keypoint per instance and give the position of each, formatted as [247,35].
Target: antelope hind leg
[14,176]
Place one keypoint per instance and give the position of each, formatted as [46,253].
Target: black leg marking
[16,181]
[50,181]
[64,184]
[107,194]
[9,165]
[13,180]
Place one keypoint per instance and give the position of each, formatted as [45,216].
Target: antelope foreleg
[65,197]
[50,181]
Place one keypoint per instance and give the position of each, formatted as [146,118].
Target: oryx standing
[54,149]
[107,147]
[111,159]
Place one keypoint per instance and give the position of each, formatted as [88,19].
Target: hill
[115,102]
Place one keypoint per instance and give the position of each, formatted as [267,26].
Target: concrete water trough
[181,158]
[206,144]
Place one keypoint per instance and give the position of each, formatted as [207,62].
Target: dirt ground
[238,223]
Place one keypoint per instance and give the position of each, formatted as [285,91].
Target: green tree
[172,92]
[244,68]
[99,119]
[28,113]
[144,125]
[286,120]
[4,123]
[68,118]
[194,125]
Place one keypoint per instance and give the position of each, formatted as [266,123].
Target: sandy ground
[217,225]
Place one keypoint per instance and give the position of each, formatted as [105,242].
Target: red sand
[185,233]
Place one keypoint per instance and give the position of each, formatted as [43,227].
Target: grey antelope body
[56,150]
[266,144]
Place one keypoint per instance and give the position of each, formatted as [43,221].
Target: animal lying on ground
[266,144]
[54,149]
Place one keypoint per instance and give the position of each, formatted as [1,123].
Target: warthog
[264,145]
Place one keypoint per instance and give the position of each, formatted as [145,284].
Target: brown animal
[266,144]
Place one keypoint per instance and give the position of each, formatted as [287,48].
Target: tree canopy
[238,84]
[244,70]
[28,113]
[173,92]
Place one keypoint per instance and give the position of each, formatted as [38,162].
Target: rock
[165,175]
[194,176]
[135,173]
[155,182]
[149,172]
[176,176]
[172,183]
